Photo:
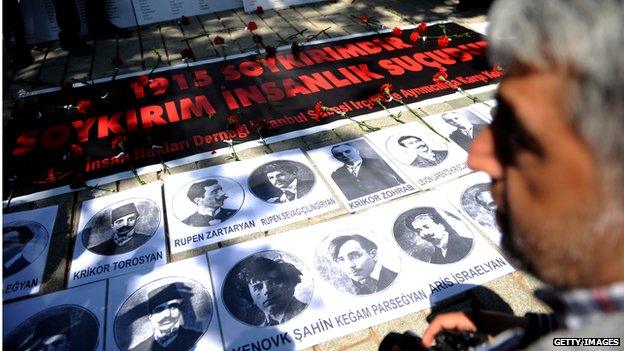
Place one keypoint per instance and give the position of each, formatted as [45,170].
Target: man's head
[414,143]
[355,255]
[270,284]
[207,194]
[457,120]
[484,199]
[163,305]
[123,219]
[555,149]
[428,225]
[346,154]
[281,175]
[14,240]
[53,334]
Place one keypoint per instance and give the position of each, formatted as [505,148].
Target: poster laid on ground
[252,5]
[156,11]
[66,136]
[66,320]
[26,239]
[119,233]
[359,174]
[460,126]
[354,272]
[169,307]
[425,157]
[472,195]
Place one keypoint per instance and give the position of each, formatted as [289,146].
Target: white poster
[25,244]
[149,11]
[485,109]
[460,126]
[170,307]
[472,195]
[425,157]
[285,293]
[359,174]
[66,320]
[118,234]
[252,5]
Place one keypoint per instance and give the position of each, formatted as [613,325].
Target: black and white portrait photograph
[209,201]
[267,288]
[417,149]
[426,234]
[478,202]
[23,242]
[63,327]
[167,314]
[281,181]
[464,126]
[361,171]
[121,227]
[357,262]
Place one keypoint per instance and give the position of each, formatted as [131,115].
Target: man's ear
[373,253]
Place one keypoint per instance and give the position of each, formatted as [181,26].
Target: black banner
[87,132]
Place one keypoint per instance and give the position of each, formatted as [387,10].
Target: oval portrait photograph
[121,227]
[22,243]
[207,201]
[63,327]
[478,202]
[417,149]
[432,235]
[357,262]
[281,181]
[267,288]
[167,314]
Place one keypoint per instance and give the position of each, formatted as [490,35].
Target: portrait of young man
[280,182]
[360,176]
[424,155]
[125,236]
[357,257]
[209,197]
[555,154]
[465,129]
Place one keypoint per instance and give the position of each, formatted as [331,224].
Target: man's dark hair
[405,137]
[24,233]
[336,244]
[345,144]
[258,268]
[281,166]
[123,210]
[199,189]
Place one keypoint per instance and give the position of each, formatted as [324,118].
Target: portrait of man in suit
[429,225]
[125,236]
[286,183]
[465,130]
[165,315]
[360,176]
[357,258]
[14,241]
[209,197]
[425,156]
[270,286]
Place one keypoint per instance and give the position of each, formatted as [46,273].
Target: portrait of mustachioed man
[167,314]
[426,233]
[63,327]
[478,202]
[121,227]
[23,242]
[417,149]
[357,262]
[267,288]
[281,181]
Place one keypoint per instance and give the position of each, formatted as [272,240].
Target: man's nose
[482,155]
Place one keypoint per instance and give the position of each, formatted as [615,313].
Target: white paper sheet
[148,11]
[118,234]
[26,239]
[251,5]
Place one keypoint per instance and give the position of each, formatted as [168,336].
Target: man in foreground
[556,157]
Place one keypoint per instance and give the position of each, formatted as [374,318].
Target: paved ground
[53,66]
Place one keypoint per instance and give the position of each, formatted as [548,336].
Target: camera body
[445,341]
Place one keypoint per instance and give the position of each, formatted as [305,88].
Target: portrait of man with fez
[427,224]
[125,237]
[465,131]
[269,285]
[166,318]
[286,184]
[360,176]
[425,156]
[357,258]
[209,197]
[15,238]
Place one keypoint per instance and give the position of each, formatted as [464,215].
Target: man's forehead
[343,148]
[212,187]
[349,246]
[423,219]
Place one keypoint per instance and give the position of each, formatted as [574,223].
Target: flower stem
[395,117]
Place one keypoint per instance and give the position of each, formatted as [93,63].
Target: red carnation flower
[76,149]
[441,75]
[386,89]
[414,37]
[396,31]
[184,21]
[271,51]
[377,98]
[443,41]
[422,27]
[257,38]
[83,106]
[116,61]
[187,54]
[364,19]
[251,26]
[318,108]
[218,40]
[259,10]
